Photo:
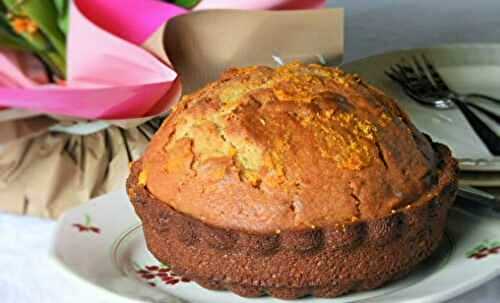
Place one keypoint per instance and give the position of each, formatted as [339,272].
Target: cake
[291,181]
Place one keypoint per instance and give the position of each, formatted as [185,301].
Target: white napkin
[27,275]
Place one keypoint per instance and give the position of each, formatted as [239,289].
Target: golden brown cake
[291,181]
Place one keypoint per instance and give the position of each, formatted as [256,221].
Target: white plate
[466,68]
[110,251]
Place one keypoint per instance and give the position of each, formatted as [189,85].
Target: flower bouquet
[85,84]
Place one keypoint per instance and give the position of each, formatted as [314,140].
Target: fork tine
[407,69]
[411,75]
[419,66]
[435,75]
[424,74]
[403,72]
[394,74]
[398,80]
[416,81]
[397,74]
[413,85]
[406,72]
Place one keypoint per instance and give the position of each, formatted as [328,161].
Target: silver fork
[404,71]
[421,81]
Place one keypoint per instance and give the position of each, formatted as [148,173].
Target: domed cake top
[300,145]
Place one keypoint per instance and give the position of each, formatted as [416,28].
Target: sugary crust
[326,261]
[264,149]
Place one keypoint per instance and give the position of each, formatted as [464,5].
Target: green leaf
[136,266]
[62,8]
[11,6]
[472,251]
[44,14]
[476,248]
[165,265]
[495,244]
[87,220]
[55,62]
[37,41]
[481,246]
[63,23]
[49,43]
[186,3]
[7,40]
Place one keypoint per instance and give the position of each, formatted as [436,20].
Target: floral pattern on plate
[87,226]
[484,249]
[152,273]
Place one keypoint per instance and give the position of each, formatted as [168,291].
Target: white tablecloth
[372,26]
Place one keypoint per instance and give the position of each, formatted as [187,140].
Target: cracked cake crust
[266,149]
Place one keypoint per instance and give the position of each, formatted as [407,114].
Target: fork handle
[481,96]
[473,195]
[488,136]
[485,111]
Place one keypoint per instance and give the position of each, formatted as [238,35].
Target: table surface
[26,273]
